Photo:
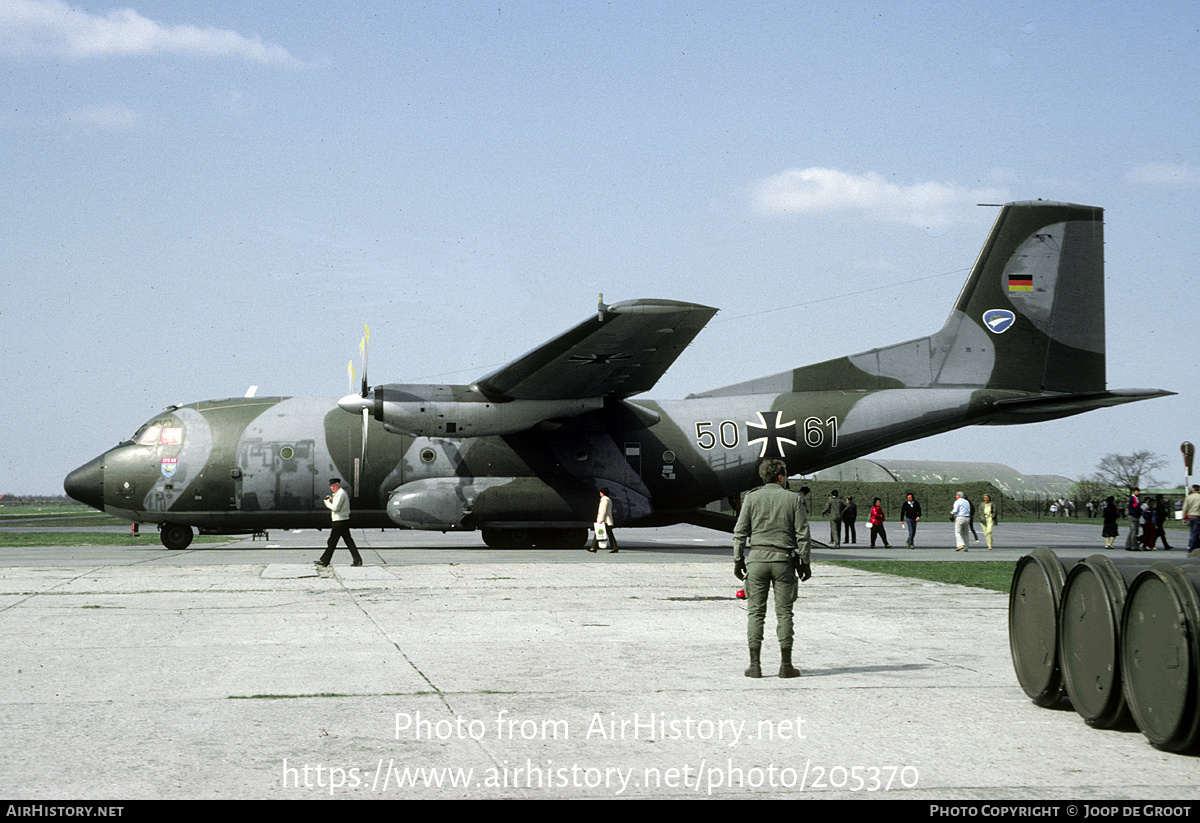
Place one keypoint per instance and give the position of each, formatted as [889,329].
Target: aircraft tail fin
[1033,305]
[1030,318]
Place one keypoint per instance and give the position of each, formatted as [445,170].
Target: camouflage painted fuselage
[1023,343]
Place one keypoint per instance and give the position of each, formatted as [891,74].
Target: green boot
[755,669]
[786,669]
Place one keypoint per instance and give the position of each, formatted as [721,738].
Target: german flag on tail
[1020,282]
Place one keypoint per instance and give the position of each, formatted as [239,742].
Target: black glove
[739,569]
[805,572]
[794,556]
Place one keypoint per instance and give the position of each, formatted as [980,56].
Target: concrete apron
[495,679]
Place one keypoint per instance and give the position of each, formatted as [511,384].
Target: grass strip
[993,575]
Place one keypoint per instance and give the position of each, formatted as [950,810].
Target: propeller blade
[366,416]
[362,349]
[350,373]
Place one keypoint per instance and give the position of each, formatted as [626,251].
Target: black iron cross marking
[773,435]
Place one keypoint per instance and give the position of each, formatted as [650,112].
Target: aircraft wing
[622,351]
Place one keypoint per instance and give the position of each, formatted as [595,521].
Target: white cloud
[51,28]
[1178,175]
[826,191]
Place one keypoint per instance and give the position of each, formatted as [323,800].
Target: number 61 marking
[814,431]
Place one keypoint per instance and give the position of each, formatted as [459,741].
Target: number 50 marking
[726,429]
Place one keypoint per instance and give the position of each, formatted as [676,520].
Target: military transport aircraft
[520,453]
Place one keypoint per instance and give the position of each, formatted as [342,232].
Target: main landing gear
[564,538]
[175,536]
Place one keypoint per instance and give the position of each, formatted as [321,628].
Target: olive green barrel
[1033,603]
[1089,635]
[1160,654]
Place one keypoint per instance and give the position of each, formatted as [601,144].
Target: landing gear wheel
[575,538]
[496,539]
[176,537]
[520,538]
[564,538]
[509,538]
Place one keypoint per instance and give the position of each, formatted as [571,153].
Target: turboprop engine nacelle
[458,411]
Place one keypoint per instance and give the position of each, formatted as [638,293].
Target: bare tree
[1093,487]
[1129,471]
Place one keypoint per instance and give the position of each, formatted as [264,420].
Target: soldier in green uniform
[773,520]
[834,508]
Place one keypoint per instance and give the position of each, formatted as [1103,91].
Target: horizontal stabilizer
[1052,407]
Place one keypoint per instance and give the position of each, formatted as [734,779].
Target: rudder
[1038,291]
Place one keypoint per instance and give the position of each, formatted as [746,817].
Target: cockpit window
[166,435]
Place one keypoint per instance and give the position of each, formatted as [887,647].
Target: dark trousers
[612,540]
[1162,535]
[761,578]
[341,529]
[877,530]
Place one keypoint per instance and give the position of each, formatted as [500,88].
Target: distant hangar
[1005,478]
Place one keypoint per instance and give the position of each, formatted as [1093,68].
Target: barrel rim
[1102,707]
[1183,731]
[1041,681]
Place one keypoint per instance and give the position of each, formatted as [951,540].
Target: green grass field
[15,520]
[73,514]
[993,575]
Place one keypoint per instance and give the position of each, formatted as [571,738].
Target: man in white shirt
[338,502]
[962,518]
[1191,516]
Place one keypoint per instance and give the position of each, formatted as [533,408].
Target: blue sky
[199,197]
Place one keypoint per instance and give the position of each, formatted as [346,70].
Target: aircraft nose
[86,483]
